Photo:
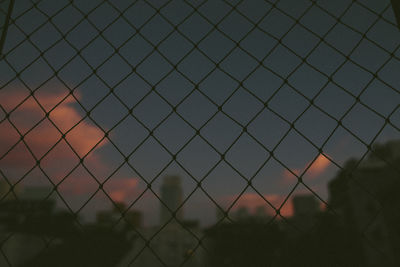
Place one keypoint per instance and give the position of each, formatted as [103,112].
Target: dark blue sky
[259,65]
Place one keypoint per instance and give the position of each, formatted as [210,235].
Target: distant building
[171,243]
[242,213]
[30,207]
[134,219]
[261,213]
[130,220]
[220,215]
[367,198]
[172,197]
[305,205]
[25,220]
[246,242]
[177,243]
[37,193]
[4,188]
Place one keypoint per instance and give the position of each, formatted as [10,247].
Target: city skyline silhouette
[259,109]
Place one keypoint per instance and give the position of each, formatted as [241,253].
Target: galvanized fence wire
[195,9]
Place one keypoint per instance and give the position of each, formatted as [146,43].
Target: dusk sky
[194,74]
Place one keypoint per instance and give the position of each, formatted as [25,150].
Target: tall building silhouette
[172,197]
[366,195]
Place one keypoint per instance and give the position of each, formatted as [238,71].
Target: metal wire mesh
[147,82]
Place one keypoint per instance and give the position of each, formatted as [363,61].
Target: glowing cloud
[317,167]
[63,119]
[81,135]
[122,190]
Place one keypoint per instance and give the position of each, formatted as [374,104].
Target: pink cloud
[289,177]
[122,190]
[81,135]
[317,168]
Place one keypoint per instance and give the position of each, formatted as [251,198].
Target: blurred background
[199,133]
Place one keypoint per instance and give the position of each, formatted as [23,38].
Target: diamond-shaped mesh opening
[199,133]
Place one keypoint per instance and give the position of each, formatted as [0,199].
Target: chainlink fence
[249,103]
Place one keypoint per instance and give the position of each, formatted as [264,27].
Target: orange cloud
[317,168]
[290,176]
[80,134]
[119,189]
[122,190]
